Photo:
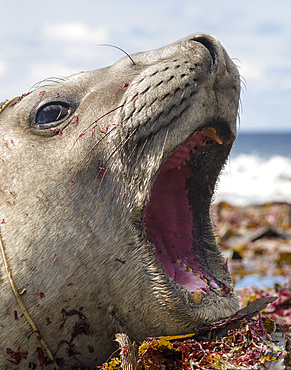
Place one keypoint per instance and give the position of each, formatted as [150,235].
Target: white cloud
[2,68]
[41,71]
[75,32]
[251,71]
[257,33]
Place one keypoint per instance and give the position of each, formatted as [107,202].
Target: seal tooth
[197,274]
[179,167]
[184,163]
[183,265]
[211,132]
[193,151]
[201,143]
[197,297]
[189,269]
[187,158]
[178,261]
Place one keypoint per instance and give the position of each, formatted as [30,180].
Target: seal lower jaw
[177,222]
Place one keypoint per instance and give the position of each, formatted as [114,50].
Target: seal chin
[177,219]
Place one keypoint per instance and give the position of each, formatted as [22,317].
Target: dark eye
[52,115]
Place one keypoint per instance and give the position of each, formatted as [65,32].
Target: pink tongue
[169,222]
[168,218]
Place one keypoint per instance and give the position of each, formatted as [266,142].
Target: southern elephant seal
[106,184]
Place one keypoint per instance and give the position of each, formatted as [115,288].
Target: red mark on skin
[41,93]
[12,142]
[56,131]
[54,259]
[48,321]
[121,88]
[57,96]
[104,131]
[101,169]
[5,142]
[134,100]
[19,99]
[81,327]
[72,352]
[119,260]
[3,221]
[75,119]
[65,316]
[12,204]
[16,315]
[17,356]
[41,357]
[226,289]
[41,294]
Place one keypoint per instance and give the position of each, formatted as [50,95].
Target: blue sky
[41,39]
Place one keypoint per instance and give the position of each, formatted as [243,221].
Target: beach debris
[257,240]
[235,342]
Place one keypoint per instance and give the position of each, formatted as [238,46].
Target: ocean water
[258,170]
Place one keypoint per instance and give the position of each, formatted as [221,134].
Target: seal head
[106,185]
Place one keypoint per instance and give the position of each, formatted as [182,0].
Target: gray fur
[81,243]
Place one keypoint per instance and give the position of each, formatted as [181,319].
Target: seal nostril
[209,46]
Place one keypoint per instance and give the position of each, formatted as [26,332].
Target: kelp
[235,342]
[257,240]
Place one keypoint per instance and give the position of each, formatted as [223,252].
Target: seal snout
[207,42]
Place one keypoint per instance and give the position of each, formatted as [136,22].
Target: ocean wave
[250,179]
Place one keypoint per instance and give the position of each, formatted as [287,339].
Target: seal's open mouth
[177,220]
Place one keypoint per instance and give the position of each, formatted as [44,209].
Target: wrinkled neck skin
[80,207]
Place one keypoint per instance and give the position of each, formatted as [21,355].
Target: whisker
[125,141]
[86,130]
[95,122]
[243,82]
[116,47]
[137,158]
[163,147]
[46,82]
[96,177]
[84,158]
